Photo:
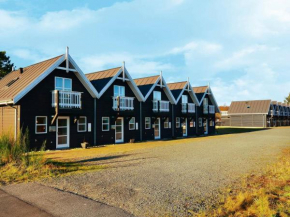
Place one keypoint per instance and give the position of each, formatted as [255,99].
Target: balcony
[161,106]
[211,109]
[122,103]
[188,108]
[66,99]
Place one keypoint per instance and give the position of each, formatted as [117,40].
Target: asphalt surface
[173,179]
[44,201]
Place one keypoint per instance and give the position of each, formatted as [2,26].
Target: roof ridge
[102,70]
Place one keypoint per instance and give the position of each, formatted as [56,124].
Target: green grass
[233,130]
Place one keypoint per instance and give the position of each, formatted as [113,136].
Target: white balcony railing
[161,106]
[66,99]
[211,109]
[123,103]
[191,108]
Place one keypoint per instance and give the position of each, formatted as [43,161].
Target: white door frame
[185,127]
[159,129]
[206,121]
[122,121]
[68,132]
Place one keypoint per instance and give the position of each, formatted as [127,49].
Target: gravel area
[170,180]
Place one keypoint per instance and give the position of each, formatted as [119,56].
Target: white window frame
[63,82]
[154,94]
[177,118]
[148,122]
[40,124]
[200,122]
[85,124]
[119,88]
[106,123]
[166,121]
[133,124]
[183,99]
[192,121]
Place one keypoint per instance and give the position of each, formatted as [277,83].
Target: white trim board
[191,93]
[211,96]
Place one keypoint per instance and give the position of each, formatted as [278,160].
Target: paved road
[44,201]
[174,178]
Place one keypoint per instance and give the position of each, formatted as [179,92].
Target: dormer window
[64,84]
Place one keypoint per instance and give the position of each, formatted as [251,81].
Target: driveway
[179,176]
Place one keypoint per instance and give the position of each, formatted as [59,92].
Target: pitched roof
[145,84]
[200,89]
[176,88]
[14,82]
[99,79]
[250,107]
[224,108]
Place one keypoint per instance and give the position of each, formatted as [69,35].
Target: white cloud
[201,47]
[26,54]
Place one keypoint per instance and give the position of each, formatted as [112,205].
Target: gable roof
[178,89]
[21,80]
[147,84]
[15,85]
[200,93]
[224,108]
[102,80]
[250,107]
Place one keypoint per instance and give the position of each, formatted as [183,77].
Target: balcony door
[119,130]
[62,132]
[184,127]
[157,133]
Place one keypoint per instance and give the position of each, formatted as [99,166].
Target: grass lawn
[233,130]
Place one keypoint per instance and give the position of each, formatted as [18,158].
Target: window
[132,123]
[147,123]
[105,123]
[119,90]
[82,124]
[192,123]
[63,84]
[177,122]
[184,99]
[205,102]
[200,122]
[211,123]
[40,124]
[156,95]
[166,123]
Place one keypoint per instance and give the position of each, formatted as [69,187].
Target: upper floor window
[63,84]
[205,102]
[119,90]
[184,99]
[156,95]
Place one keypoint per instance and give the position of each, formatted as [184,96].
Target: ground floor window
[166,123]
[82,124]
[105,123]
[132,123]
[192,123]
[177,122]
[200,122]
[40,124]
[147,123]
[211,123]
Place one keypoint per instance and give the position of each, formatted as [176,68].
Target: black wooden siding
[38,103]
[105,109]
[211,130]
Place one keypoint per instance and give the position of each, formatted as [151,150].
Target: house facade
[53,100]
[206,111]
[184,111]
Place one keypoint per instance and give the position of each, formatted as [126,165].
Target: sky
[240,48]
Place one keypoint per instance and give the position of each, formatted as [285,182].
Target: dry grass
[262,195]
[78,153]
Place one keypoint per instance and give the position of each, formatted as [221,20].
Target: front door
[184,127]
[157,128]
[62,132]
[205,126]
[119,131]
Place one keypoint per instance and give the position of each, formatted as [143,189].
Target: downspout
[95,121]
[141,125]
[196,120]
[172,125]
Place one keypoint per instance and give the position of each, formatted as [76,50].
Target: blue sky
[242,48]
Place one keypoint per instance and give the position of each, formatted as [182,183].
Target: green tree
[287,99]
[5,64]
